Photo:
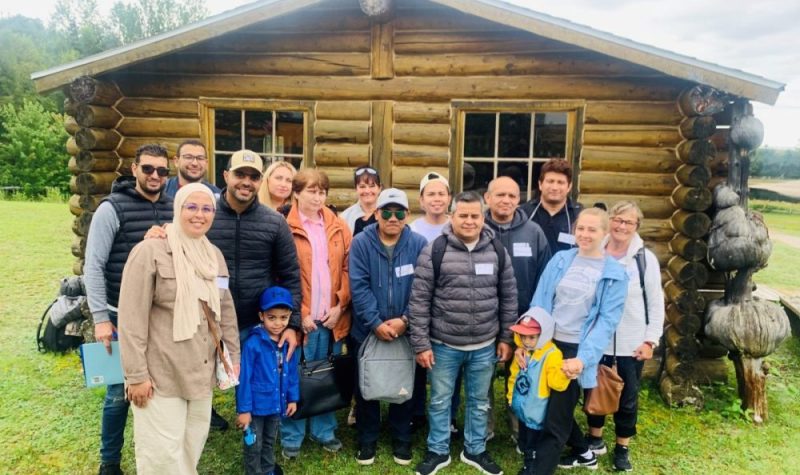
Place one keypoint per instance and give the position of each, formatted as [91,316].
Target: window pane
[550,135]
[296,161]
[477,176]
[290,132]
[228,130]
[479,135]
[258,131]
[519,172]
[515,135]
[220,164]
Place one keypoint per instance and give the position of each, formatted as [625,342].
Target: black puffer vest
[136,215]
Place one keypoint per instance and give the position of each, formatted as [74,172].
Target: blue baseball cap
[275,297]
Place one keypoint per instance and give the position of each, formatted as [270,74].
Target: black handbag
[325,385]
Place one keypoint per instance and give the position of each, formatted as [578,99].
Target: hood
[636,244]
[258,331]
[123,183]
[547,323]
[519,219]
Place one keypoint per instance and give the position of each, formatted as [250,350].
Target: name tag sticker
[404,270]
[222,282]
[566,238]
[522,249]
[484,269]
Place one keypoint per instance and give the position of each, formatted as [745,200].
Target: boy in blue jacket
[269,385]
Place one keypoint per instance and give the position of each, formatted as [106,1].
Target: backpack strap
[641,264]
[501,265]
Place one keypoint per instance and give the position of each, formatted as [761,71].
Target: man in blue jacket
[382,260]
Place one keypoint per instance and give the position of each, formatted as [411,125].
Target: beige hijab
[196,270]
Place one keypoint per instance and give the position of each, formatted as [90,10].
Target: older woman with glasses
[368,186]
[639,329]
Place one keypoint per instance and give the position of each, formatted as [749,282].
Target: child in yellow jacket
[529,387]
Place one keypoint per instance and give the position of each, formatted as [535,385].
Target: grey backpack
[386,369]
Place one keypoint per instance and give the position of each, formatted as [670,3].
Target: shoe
[351,417]
[290,452]
[110,469]
[218,422]
[401,452]
[622,462]
[432,463]
[573,461]
[366,454]
[596,444]
[482,462]
[333,445]
[454,432]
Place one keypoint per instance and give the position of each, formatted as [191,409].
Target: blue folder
[100,368]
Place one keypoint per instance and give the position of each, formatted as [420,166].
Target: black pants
[630,370]
[528,439]
[259,458]
[368,416]
[560,427]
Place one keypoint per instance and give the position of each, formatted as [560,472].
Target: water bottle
[249,436]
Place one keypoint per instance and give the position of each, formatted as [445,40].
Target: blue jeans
[323,426]
[478,367]
[115,416]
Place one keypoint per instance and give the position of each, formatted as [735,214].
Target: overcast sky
[760,37]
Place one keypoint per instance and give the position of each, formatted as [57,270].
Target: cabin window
[514,143]
[273,134]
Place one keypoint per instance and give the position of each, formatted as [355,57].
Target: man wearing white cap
[434,199]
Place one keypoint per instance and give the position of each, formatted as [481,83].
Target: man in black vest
[135,204]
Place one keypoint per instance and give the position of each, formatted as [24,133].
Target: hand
[504,351]
[385,332]
[309,325]
[519,355]
[289,336]
[572,367]
[643,352]
[243,420]
[331,317]
[425,359]
[138,394]
[156,232]
[104,332]
[398,325]
[291,408]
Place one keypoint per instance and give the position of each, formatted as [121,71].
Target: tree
[82,27]
[140,19]
[32,154]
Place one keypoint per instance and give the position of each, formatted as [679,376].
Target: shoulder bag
[325,385]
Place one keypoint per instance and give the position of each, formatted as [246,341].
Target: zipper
[236,256]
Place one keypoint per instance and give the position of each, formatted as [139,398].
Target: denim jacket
[604,315]
[265,386]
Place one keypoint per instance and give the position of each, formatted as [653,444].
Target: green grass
[50,424]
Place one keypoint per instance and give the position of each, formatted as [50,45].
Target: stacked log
[91,123]
[686,364]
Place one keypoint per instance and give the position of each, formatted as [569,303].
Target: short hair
[366,177]
[468,197]
[195,142]
[309,177]
[623,207]
[599,212]
[556,165]
[152,149]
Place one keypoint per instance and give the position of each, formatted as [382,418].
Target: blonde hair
[624,206]
[263,192]
[600,213]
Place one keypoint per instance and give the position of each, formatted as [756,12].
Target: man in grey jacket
[462,320]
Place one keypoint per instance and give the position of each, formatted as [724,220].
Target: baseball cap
[275,297]
[392,196]
[246,158]
[527,325]
[431,177]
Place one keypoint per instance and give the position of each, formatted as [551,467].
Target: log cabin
[472,89]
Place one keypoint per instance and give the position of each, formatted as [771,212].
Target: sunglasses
[254,176]
[149,169]
[194,208]
[399,214]
[369,170]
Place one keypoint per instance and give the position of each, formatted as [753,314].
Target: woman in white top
[639,329]
[368,186]
[434,199]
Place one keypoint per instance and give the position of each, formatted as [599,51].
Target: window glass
[479,135]
[515,136]
[258,131]
[550,135]
[228,130]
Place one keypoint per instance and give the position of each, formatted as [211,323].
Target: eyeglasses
[399,214]
[621,222]
[254,176]
[149,169]
[369,170]
[195,208]
[192,158]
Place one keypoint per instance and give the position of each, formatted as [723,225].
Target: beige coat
[182,369]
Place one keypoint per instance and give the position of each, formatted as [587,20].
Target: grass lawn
[50,424]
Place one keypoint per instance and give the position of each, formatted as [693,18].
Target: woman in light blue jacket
[585,292]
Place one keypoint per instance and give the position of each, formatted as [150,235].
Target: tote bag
[386,369]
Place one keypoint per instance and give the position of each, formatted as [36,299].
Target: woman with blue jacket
[585,293]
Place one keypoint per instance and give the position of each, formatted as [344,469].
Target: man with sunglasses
[192,164]
[135,204]
[382,260]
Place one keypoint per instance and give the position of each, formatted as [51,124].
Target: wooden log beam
[127,149]
[381,139]
[88,90]
[708,371]
[72,146]
[653,207]
[97,139]
[684,347]
[382,50]
[77,166]
[343,110]
[630,112]
[70,106]
[634,135]
[409,177]
[661,250]
[721,139]
[162,107]
[693,225]
[651,184]
[656,230]
[78,246]
[265,41]
[341,177]
[690,249]
[258,63]
[475,42]
[699,127]
[700,100]
[651,367]
[711,350]
[422,134]
[75,205]
[693,175]
[689,274]
[349,131]
[696,152]
[422,112]
[420,156]
[71,125]
[77,267]
[80,225]
[102,117]
[691,199]
[678,370]
[628,159]
[688,301]
[158,126]
[341,154]
[684,323]
[95,183]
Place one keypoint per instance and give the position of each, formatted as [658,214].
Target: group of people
[182,272]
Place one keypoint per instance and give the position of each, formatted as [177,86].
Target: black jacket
[560,222]
[260,253]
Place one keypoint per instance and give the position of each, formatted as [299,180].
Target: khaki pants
[169,434]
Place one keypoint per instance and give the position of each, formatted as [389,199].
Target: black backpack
[65,310]
[437,255]
[50,338]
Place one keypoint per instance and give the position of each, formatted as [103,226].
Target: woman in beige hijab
[167,349]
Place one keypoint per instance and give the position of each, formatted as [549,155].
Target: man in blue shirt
[192,164]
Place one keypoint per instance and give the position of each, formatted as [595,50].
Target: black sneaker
[573,461]
[109,469]
[482,462]
[596,444]
[366,454]
[432,463]
[622,462]
[401,452]
[218,422]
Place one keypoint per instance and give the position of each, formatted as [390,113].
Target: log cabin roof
[733,81]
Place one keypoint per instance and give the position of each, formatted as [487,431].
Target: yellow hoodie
[551,379]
